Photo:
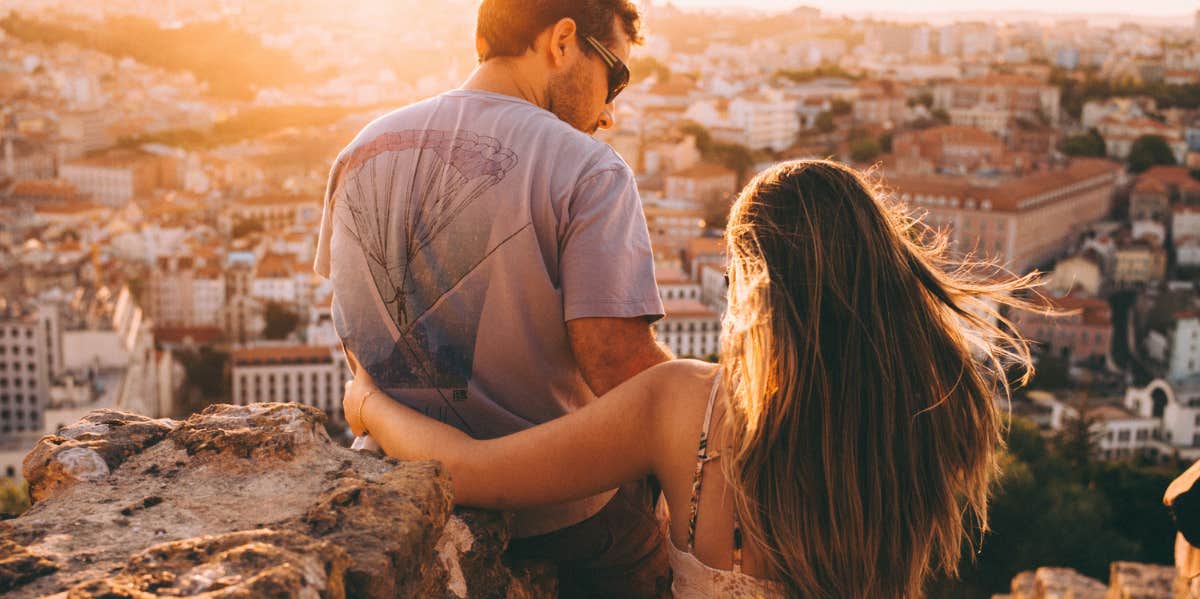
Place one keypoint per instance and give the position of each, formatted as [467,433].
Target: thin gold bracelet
[361,404]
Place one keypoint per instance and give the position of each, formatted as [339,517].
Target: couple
[494,287]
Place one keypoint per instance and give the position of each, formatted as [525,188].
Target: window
[1123,436]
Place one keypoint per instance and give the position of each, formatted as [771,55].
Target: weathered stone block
[244,501]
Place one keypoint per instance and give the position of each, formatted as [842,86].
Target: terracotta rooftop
[1006,196]
[68,208]
[264,356]
[1177,176]
[43,188]
[704,170]
[688,308]
[275,266]
[670,276]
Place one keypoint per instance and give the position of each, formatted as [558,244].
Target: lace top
[691,577]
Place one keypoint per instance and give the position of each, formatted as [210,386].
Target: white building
[310,375]
[28,339]
[769,120]
[1176,409]
[689,328]
[1183,347]
[673,284]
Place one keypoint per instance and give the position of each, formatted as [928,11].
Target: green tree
[280,322]
[864,149]
[1052,372]
[940,115]
[1085,144]
[1148,151]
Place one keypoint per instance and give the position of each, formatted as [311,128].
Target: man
[491,263]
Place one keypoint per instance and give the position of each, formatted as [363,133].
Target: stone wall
[245,501]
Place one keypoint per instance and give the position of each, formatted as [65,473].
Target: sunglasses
[618,73]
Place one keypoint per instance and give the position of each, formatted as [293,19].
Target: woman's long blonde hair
[864,369]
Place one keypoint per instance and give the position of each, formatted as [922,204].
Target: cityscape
[162,168]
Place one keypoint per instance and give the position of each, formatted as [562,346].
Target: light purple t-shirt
[461,234]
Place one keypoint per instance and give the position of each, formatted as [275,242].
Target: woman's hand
[354,397]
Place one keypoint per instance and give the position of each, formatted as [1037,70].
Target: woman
[846,439]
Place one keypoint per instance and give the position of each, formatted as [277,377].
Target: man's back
[461,233]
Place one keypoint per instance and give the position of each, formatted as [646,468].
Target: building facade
[310,375]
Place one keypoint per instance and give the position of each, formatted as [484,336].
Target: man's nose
[608,117]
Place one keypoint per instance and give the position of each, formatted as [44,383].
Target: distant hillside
[234,63]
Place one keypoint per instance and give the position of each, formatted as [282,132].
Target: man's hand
[353,400]
[610,351]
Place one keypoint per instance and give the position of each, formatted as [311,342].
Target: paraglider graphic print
[410,205]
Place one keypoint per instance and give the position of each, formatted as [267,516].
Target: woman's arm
[607,443]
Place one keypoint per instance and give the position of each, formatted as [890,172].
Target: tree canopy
[1148,151]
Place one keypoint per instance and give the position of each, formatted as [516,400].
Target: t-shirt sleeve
[607,265]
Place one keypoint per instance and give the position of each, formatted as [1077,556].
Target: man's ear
[562,41]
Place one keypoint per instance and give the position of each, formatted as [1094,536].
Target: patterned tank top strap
[702,456]
[737,542]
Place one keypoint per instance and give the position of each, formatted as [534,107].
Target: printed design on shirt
[411,205]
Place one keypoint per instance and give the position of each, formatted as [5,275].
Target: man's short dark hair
[510,27]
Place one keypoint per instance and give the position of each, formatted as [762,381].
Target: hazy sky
[1138,7]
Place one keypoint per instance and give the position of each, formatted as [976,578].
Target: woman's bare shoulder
[680,375]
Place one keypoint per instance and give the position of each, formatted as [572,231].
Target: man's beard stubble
[567,98]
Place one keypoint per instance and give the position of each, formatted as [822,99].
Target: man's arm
[610,351]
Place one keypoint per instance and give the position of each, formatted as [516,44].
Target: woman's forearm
[406,434]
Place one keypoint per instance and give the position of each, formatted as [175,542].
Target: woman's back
[702,558]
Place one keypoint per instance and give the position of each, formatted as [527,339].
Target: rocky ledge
[1126,580]
[244,501]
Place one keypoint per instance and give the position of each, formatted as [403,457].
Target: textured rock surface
[244,501]
[1127,580]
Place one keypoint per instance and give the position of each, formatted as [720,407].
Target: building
[1175,408]
[689,328]
[1185,232]
[1120,132]
[1081,274]
[672,223]
[881,103]
[702,183]
[1183,188]
[30,349]
[276,212]
[1149,200]
[1082,330]
[114,179]
[243,316]
[1181,351]
[994,103]
[950,150]
[1123,434]
[310,375]
[183,292]
[23,159]
[274,280]
[769,120]
[673,284]
[1023,220]
[1138,263]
